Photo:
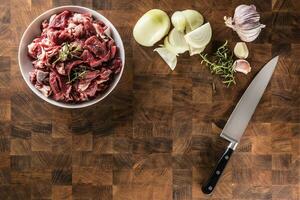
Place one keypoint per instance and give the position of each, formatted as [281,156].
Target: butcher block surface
[156,137]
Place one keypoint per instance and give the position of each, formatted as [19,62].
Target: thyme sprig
[221,64]
[77,73]
[68,51]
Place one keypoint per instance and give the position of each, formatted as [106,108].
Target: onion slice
[195,51]
[168,56]
[199,37]
[177,40]
[193,20]
[170,47]
[178,20]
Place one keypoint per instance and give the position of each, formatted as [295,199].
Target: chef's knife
[239,120]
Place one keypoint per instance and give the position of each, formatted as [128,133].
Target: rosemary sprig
[221,64]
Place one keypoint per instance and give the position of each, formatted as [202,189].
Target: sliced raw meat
[34,49]
[116,65]
[90,59]
[44,89]
[71,65]
[60,68]
[41,76]
[55,82]
[91,90]
[94,45]
[81,18]
[60,20]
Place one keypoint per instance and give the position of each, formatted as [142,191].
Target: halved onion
[168,56]
[177,40]
[151,27]
[199,37]
[193,20]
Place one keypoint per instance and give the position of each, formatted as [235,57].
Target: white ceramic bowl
[34,30]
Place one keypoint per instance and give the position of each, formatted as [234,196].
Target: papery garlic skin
[241,65]
[245,22]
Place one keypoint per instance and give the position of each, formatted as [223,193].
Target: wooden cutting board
[156,136]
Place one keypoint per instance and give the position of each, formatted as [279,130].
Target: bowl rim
[101,96]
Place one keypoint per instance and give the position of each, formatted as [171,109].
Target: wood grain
[156,136]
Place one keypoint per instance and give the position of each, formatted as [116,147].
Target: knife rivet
[210,188]
[218,172]
[226,157]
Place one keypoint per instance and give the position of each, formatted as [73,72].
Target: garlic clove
[241,50]
[241,65]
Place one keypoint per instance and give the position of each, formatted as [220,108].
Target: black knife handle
[211,183]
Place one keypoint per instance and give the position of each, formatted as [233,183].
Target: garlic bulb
[245,22]
[241,50]
[242,66]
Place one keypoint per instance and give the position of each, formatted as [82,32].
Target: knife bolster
[233,145]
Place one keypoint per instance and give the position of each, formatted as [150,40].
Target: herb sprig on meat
[77,73]
[68,51]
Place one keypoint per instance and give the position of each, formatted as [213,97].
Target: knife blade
[239,119]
